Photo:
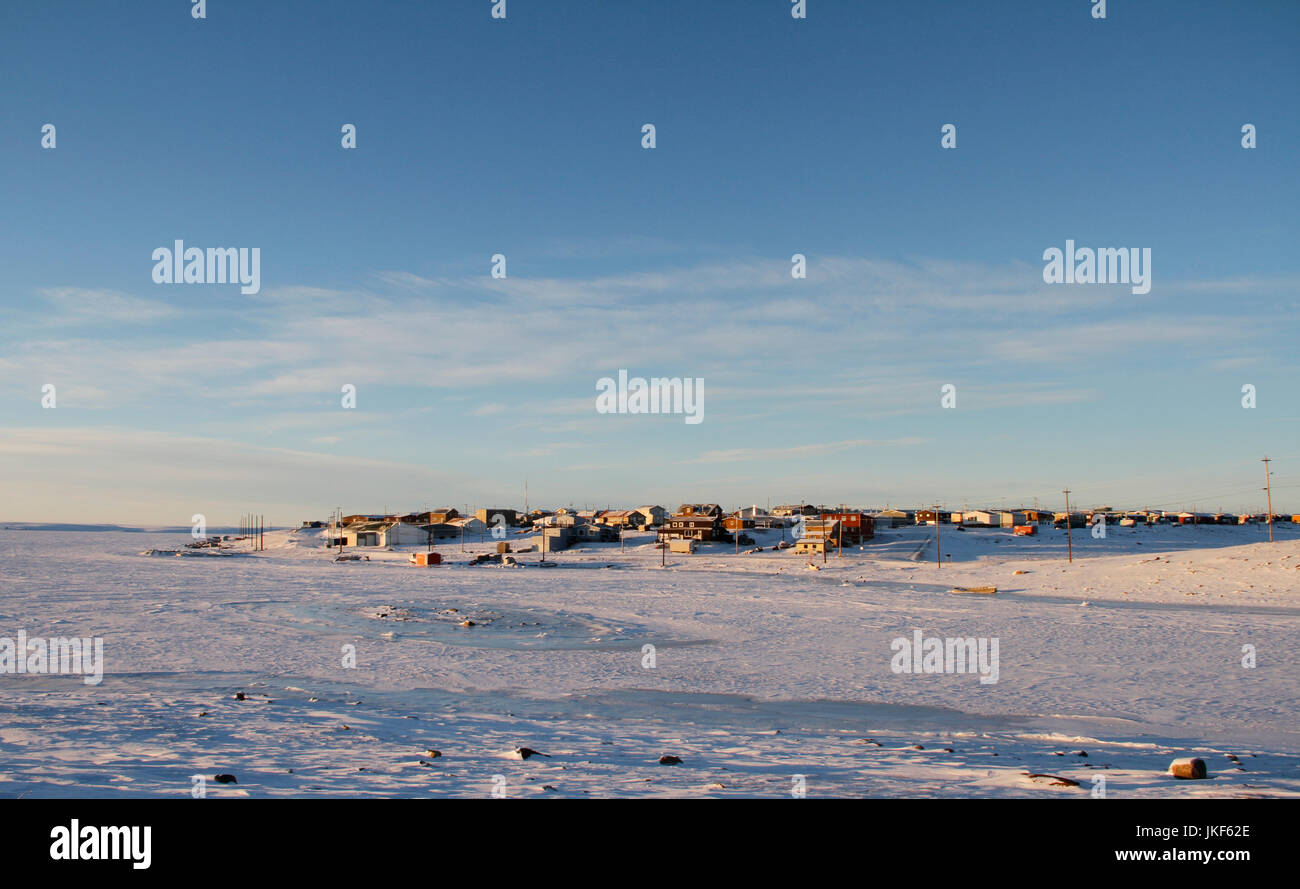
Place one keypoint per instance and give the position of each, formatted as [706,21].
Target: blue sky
[523,137]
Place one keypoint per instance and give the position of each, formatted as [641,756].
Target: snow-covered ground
[764,670]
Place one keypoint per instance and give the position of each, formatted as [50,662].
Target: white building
[654,515]
[385,534]
[472,526]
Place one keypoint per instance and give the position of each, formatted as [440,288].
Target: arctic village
[699,651]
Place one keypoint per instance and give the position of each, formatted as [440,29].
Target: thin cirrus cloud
[745,324]
[806,450]
[78,305]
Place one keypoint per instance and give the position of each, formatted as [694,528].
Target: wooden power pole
[1069,538]
[938,550]
[1268,487]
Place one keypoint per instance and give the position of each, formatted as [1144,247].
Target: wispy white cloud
[80,305]
[803,450]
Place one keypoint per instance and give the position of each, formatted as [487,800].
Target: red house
[856,526]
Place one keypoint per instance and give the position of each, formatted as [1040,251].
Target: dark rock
[224,779]
[525,752]
[1057,780]
[669,760]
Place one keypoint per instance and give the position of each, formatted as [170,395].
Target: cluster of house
[1006,518]
[563,528]
[417,528]
[555,530]
[1211,518]
[817,528]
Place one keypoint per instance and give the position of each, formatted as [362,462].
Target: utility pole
[938,550]
[1268,486]
[1069,539]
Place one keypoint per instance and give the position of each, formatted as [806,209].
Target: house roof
[387,525]
[700,508]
